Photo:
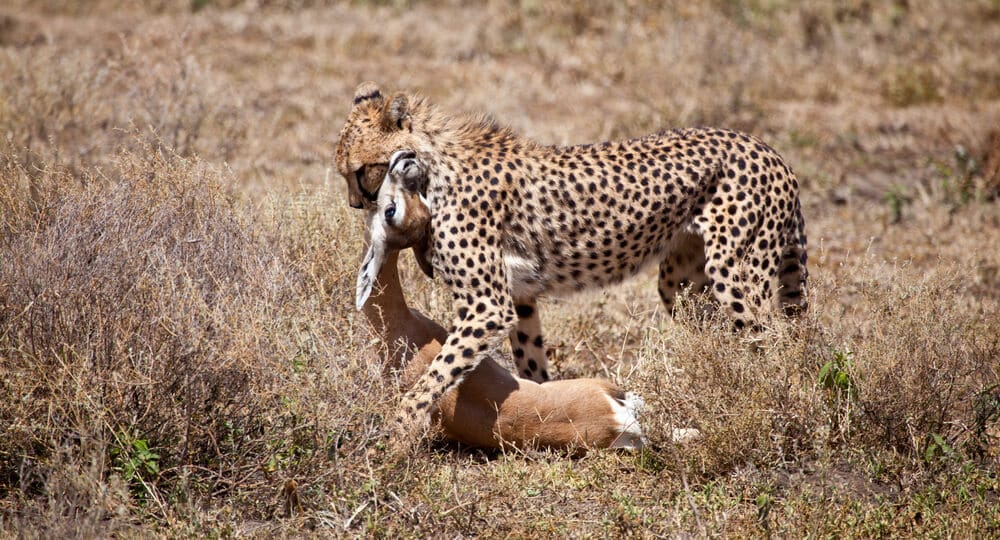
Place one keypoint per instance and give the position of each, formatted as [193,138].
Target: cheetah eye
[390,210]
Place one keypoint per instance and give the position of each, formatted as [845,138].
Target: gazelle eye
[390,210]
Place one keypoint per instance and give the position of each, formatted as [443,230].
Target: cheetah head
[400,219]
[375,129]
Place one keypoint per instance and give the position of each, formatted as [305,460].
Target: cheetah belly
[530,279]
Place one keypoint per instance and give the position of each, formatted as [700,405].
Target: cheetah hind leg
[738,280]
[527,344]
[683,267]
[792,267]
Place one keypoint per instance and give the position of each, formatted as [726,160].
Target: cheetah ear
[371,265]
[396,114]
[367,91]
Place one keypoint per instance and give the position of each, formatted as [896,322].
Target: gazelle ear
[396,114]
[371,265]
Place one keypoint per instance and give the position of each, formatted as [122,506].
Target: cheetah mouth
[359,179]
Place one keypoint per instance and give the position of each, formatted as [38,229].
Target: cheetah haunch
[512,220]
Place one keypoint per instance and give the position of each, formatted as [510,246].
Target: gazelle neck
[386,308]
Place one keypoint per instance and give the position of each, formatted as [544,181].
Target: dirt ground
[181,151]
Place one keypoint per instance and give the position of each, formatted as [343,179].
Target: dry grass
[177,341]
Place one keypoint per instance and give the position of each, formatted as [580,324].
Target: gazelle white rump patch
[627,417]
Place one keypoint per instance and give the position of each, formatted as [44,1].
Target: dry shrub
[753,397]
[915,374]
[922,360]
[157,346]
[134,296]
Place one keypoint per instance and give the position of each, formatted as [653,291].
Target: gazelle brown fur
[491,408]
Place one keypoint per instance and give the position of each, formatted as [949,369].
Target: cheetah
[512,220]
[491,408]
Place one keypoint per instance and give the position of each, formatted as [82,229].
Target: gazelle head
[399,220]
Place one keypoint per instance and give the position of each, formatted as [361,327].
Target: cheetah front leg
[527,344]
[485,312]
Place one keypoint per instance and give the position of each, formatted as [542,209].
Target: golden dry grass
[177,264]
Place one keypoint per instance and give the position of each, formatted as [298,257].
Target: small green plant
[628,515]
[876,467]
[835,375]
[136,462]
[764,503]
[896,198]
[937,449]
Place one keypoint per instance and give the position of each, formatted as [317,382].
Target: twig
[687,492]
[456,507]
[347,524]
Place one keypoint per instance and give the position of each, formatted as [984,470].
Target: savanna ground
[177,263]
